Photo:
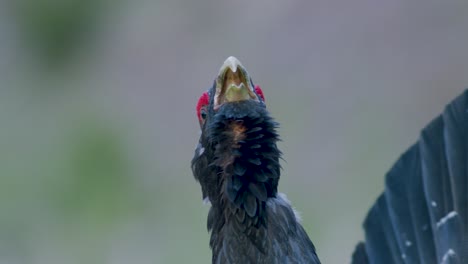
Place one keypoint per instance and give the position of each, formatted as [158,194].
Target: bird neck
[247,161]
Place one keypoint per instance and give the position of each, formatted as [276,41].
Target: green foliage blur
[54,29]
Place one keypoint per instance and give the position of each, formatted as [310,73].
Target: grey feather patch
[250,205]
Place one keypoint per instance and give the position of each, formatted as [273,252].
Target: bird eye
[202,104]
[203,113]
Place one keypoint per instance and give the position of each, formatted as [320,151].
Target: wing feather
[422,216]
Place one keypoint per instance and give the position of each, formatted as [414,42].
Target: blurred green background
[98,125]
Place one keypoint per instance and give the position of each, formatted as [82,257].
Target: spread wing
[422,216]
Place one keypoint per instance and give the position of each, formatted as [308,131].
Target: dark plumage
[422,216]
[237,165]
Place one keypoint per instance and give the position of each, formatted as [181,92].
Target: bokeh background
[97,121]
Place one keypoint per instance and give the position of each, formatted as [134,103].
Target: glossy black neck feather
[238,168]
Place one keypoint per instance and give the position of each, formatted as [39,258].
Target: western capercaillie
[237,164]
[421,217]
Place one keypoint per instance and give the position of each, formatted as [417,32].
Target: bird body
[237,165]
[421,217]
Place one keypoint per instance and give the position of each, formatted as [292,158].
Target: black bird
[237,164]
[421,217]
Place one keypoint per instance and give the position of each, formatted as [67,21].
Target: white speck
[403,256]
[201,150]
[206,201]
[434,204]
[450,253]
[408,243]
[297,214]
[284,199]
[425,227]
[444,219]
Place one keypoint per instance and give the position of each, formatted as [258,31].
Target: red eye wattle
[202,102]
[259,91]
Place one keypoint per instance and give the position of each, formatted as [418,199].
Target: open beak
[233,84]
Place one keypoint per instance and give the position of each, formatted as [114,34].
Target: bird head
[236,159]
[232,85]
